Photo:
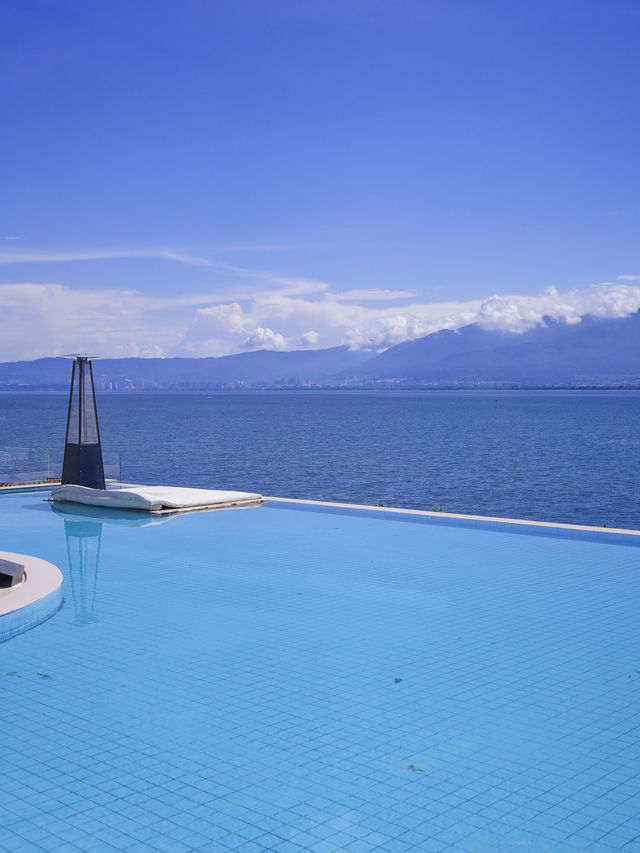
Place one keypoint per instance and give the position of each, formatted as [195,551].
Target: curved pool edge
[37,599]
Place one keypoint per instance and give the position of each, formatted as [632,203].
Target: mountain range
[595,351]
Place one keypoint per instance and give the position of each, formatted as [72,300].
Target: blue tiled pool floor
[285,679]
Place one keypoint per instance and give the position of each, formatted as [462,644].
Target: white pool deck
[41,579]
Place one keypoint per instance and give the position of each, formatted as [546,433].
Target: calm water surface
[548,455]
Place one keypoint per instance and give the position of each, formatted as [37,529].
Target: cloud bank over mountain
[279,314]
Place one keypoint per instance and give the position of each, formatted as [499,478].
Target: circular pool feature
[31,601]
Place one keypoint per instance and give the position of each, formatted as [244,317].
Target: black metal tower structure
[82,463]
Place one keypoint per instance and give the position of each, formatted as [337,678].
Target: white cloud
[309,340]
[383,328]
[260,338]
[628,278]
[285,313]
[50,319]
[132,350]
[518,313]
[385,332]
[610,300]
[375,294]
[226,318]
[514,313]
[211,347]
[39,257]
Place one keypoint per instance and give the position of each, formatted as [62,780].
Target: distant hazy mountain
[594,350]
[252,368]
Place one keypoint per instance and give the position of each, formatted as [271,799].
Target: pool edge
[34,601]
[461,516]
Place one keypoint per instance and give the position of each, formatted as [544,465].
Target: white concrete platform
[41,579]
[155,499]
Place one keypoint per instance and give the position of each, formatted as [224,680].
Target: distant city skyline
[202,179]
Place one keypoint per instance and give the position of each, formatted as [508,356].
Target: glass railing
[39,465]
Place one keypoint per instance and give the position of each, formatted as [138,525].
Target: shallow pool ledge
[488,518]
[33,601]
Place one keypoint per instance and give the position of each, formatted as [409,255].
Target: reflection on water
[83,533]
[111,515]
[83,551]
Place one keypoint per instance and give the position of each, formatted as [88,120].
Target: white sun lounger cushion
[153,498]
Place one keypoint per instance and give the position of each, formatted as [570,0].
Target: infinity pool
[289,679]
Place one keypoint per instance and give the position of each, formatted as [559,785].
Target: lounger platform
[155,499]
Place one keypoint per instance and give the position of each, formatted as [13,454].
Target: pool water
[289,679]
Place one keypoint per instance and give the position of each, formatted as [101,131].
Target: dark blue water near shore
[549,455]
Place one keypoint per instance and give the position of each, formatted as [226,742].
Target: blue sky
[199,178]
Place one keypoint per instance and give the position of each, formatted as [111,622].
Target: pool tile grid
[339,713]
[25,618]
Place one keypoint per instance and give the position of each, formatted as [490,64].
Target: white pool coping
[42,578]
[423,512]
[460,516]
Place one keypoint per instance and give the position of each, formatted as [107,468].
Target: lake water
[547,455]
